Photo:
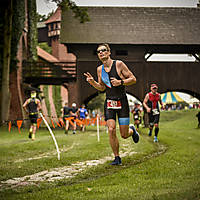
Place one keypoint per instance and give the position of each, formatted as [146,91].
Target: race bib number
[112,104]
[155,112]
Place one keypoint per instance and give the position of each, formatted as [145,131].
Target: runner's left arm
[160,100]
[39,108]
[127,74]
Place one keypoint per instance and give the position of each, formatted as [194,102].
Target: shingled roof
[56,17]
[133,25]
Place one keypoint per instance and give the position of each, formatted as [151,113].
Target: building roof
[133,25]
[56,17]
[46,56]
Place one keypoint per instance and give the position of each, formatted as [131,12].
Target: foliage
[45,46]
[57,98]
[32,33]
[97,103]
[18,25]
[1,41]
[46,99]
[17,28]
[42,18]
[80,12]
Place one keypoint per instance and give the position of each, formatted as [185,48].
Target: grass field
[168,170]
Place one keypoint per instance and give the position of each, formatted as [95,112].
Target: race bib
[136,117]
[155,112]
[112,104]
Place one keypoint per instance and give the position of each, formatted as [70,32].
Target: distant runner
[150,103]
[136,111]
[74,113]
[66,113]
[32,106]
[82,115]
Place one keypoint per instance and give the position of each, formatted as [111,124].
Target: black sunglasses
[101,50]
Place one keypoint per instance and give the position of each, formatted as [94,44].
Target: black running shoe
[117,161]
[135,135]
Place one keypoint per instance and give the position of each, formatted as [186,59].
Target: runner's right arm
[145,103]
[97,85]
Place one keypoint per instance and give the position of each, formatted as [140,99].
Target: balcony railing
[49,73]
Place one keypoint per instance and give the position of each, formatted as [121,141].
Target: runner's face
[103,53]
[154,89]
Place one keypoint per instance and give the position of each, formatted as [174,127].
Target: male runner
[113,76]
[32,106]
[74,113]
[66,113]
[151,105]
[198,117]
[136,111]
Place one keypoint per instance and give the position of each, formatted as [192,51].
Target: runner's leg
[114,143]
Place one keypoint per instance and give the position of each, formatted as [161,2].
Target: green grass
[169,170]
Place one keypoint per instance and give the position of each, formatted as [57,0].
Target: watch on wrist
[122,82]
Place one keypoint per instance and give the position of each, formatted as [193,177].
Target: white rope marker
[52,135]
[98,137]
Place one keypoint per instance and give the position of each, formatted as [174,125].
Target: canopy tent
[171,98]
[193,100]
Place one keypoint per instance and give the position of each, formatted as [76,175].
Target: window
[121,53]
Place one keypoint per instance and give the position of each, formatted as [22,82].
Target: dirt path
[62,172]
[73,169]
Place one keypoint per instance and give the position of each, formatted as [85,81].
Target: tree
[97,103]
[8,47]
[80,12]
[7,36]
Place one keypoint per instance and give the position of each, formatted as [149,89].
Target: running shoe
[117,161]
[155,139]
[135,135]
[30,133]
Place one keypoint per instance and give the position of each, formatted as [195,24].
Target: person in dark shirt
[32,106]
[136,111]
[151,105]
[113,76]
[198,116]
[74,113]
[66,113]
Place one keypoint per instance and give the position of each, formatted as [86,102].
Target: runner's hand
[148,110]
[115,82]
[89,77]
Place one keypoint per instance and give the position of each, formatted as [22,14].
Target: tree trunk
[5,100]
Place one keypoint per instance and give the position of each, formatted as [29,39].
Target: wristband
[122,82]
